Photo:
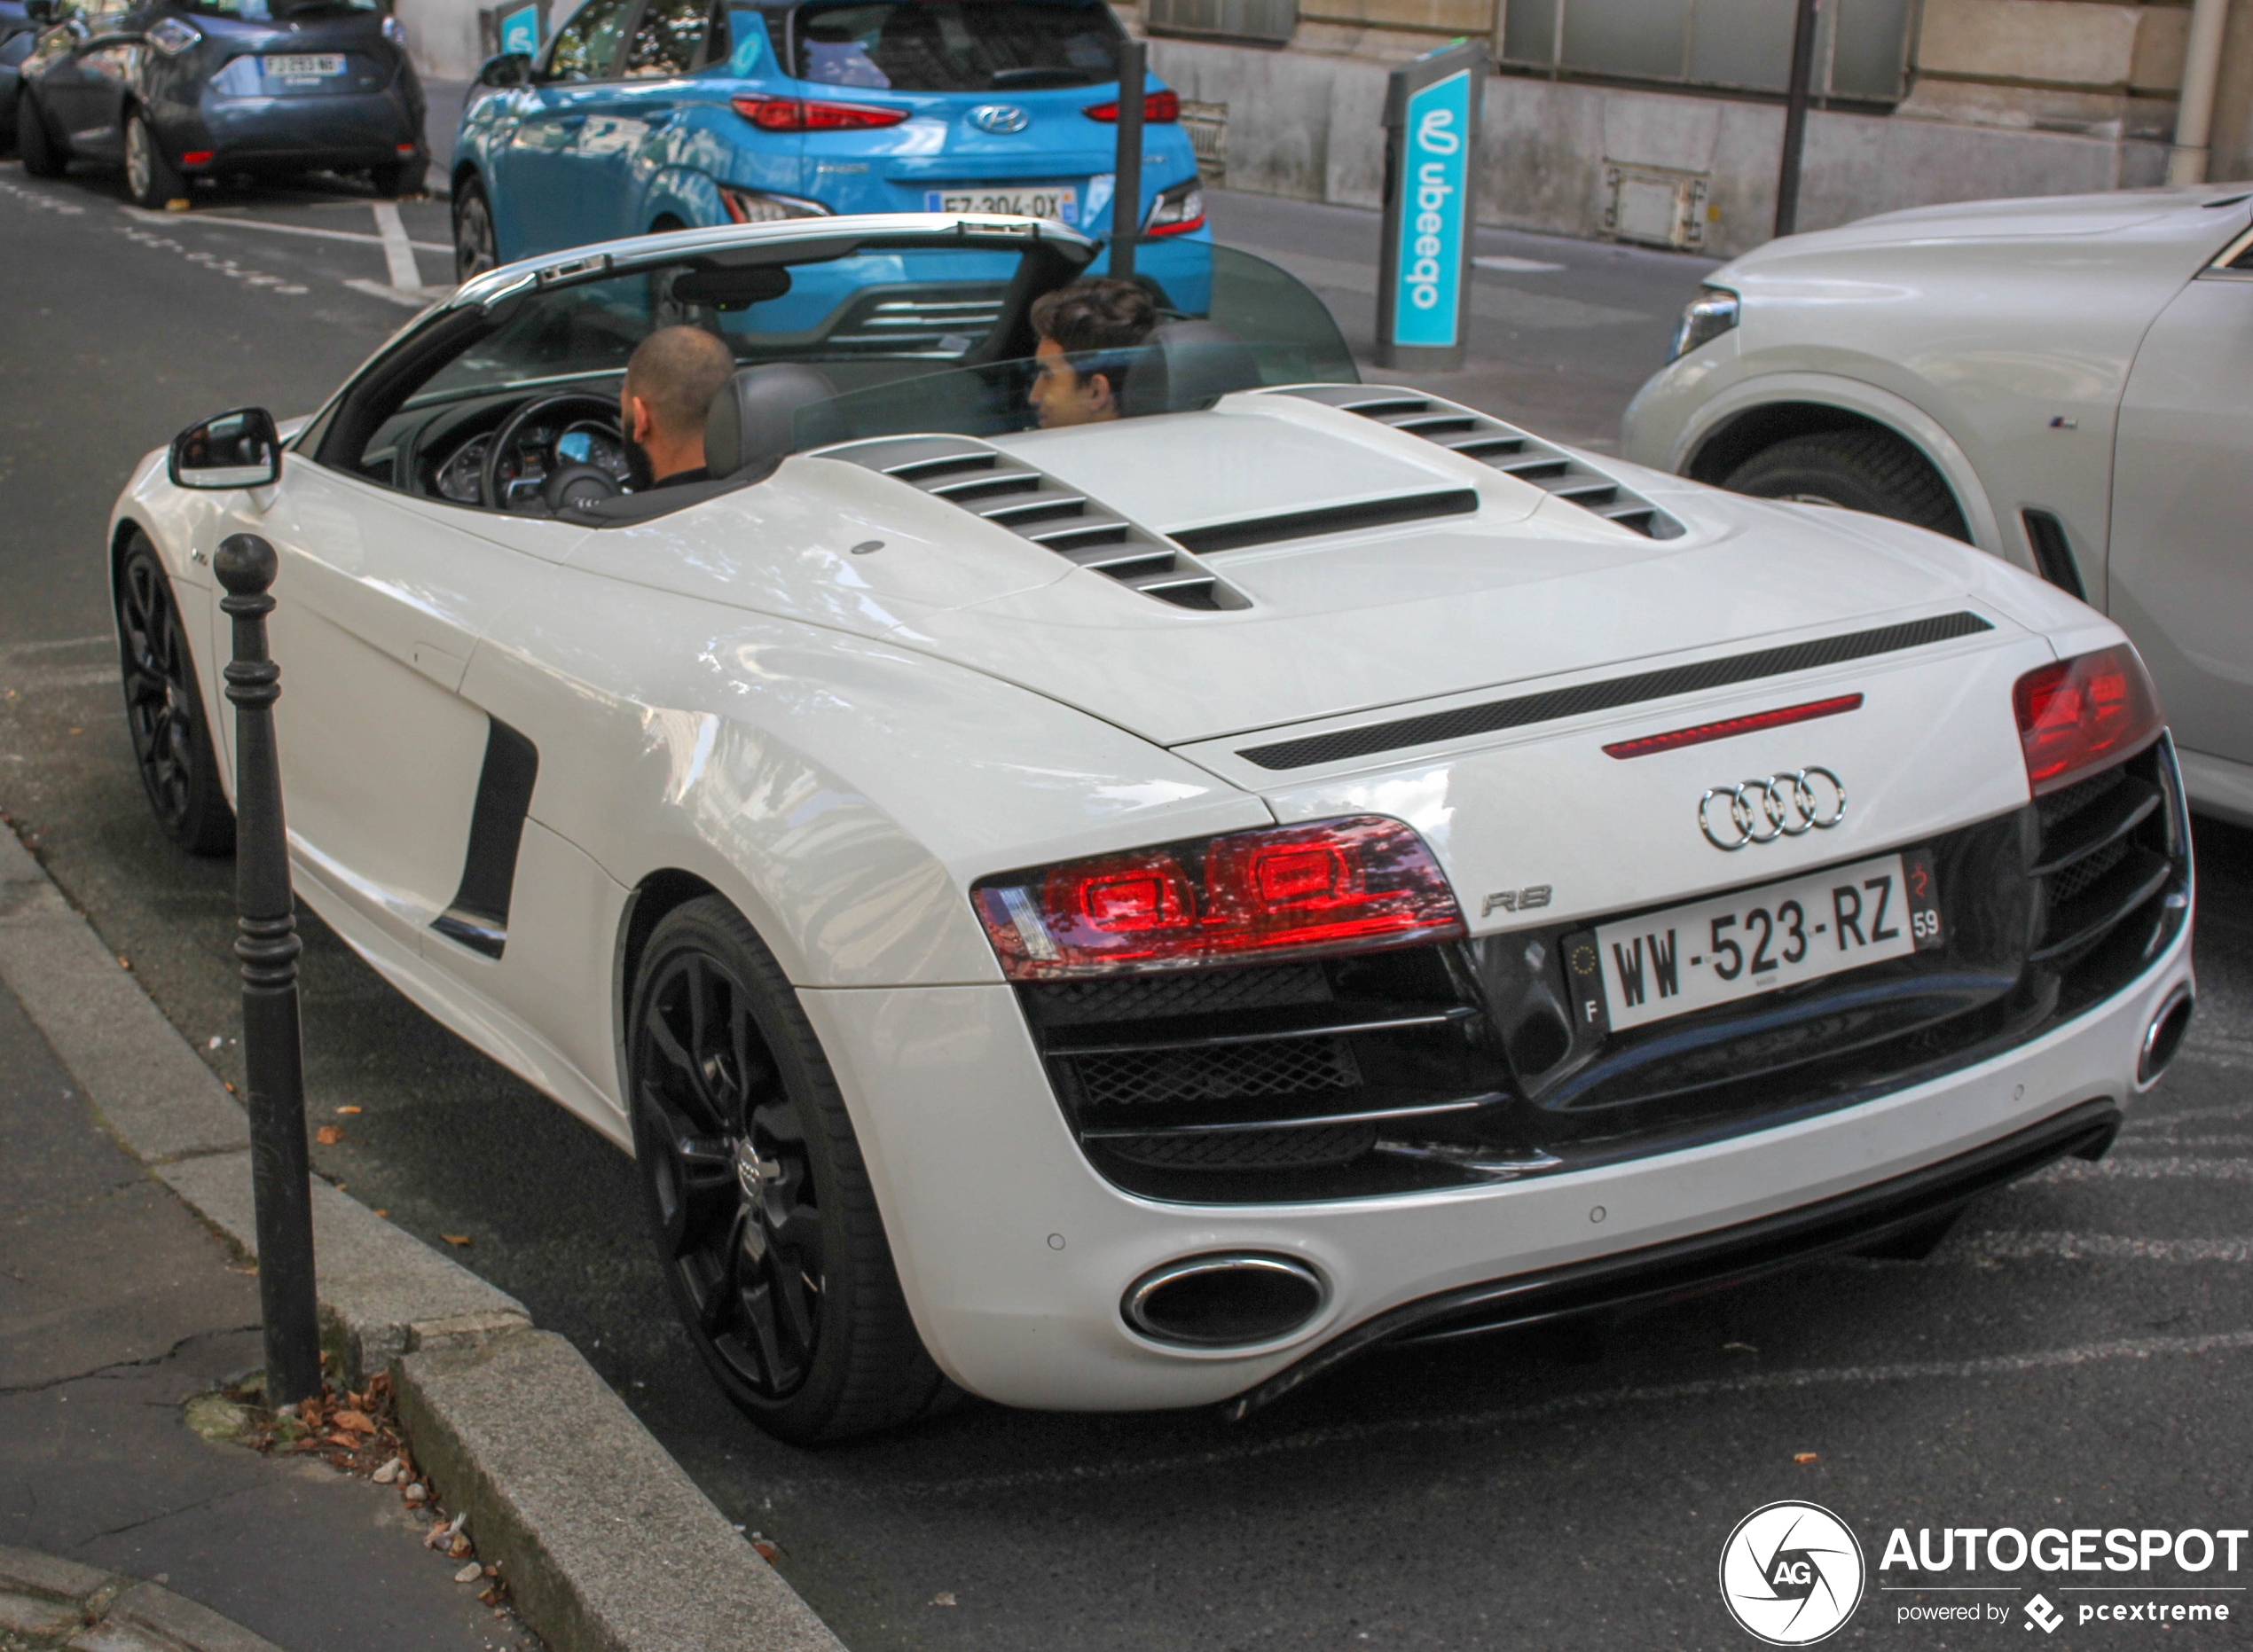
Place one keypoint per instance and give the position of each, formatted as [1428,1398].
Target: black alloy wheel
[476,248]
[43,156]
[172,743]
[755,1192]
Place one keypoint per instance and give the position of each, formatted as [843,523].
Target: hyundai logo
[1001,119]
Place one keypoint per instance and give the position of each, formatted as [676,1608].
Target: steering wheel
[565,483]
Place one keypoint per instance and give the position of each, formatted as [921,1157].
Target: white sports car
[1127,915]
[2066,383]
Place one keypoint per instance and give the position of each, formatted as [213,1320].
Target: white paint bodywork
[2084,355]
[841,744]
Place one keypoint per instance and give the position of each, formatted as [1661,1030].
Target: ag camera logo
[1791,1574]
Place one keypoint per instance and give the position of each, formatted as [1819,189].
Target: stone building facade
[1661,120]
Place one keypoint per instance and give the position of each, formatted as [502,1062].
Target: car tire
[172,743]
[477,246]
[43,156]
[151,181]
[1856,470]
[396,178]
[756,1195]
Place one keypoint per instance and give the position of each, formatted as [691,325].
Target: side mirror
[236,449]
[501,71]
[40,12]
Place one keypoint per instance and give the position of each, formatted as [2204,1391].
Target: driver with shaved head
[671,380]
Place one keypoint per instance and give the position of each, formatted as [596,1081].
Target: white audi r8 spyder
[1126,915]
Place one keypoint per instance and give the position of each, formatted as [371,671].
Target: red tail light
[2084,713]
[1160,108]
[803,114]
[1335,886]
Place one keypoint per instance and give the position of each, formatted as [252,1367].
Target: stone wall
[1305,124]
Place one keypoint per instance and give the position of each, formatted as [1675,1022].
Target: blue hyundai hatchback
[643,116]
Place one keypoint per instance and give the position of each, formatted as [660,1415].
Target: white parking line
[398,252]
[45,202]
[1604,1399]
[10,650]
[213,261]
[1515,266]
[217,220]
[2009,1247]
[56,682]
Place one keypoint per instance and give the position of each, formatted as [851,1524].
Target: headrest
[1186,365]
[753,417]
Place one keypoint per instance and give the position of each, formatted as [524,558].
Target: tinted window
[669,39]
[588,45]
[955,45]
[267,11]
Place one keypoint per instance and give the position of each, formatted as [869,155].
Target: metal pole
[1127,170]
[1795,119]
[280,1175]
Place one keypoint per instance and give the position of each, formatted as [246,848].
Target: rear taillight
[807,114]
[1159,109]
[2084,713]
[1283,891]
[1176,211]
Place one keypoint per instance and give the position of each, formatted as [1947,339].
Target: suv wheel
[1854,470]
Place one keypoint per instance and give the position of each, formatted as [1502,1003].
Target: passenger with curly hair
[1088,332]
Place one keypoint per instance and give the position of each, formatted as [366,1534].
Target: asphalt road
[2077,1357]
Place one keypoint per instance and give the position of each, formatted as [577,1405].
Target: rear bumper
[1015,1253]
[349,130]
[1690,1267]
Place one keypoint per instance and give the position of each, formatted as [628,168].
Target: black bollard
[1795,119]
[1126,169]
[280,1172]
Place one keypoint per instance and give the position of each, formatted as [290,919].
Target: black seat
[752,425]
[1185,364]
[755,418]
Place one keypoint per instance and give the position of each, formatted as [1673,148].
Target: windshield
[908,304]
[955,45]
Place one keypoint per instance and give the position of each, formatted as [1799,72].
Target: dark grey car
[176,90]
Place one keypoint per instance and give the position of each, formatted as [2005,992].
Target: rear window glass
[955,45]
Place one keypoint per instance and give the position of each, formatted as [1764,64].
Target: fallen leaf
[357,1421]
[766,1551]
[1806,1457]
[455,1238]
[348,1109]
[459,1548]
[492,1569]
[122,964]
[345,1440]
[383,1213]
[328,1135]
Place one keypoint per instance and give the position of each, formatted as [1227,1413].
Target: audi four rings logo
[1760,811]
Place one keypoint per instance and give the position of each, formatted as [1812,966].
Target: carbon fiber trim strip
[1618,691]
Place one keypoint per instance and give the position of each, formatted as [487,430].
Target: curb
[509,1421]
[61,1602]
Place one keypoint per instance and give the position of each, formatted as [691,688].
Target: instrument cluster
[537,450]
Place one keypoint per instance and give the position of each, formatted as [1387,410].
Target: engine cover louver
[1507,448]
[1009,492]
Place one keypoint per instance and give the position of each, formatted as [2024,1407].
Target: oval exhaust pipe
[1228,1299]
[2164,1036]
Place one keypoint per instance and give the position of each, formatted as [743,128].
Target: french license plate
[1734,946]
[304,66]
[1060,205]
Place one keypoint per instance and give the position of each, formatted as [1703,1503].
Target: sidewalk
[117,1307]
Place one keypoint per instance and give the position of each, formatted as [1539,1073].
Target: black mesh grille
[2062,806]
[1249,1149]
[1619,691]
[2070,882]
[1228,1072]
[1179,992]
